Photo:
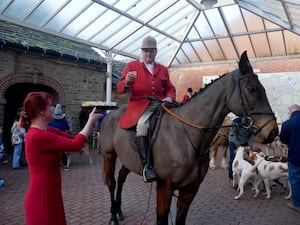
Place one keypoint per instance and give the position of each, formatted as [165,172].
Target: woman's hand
[95,115]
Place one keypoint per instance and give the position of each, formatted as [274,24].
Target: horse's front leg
[187,194]
[109,170]
[163,202]
[121,180]
[183,204]
[184,201]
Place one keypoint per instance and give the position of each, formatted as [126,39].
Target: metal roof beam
[56,12]
[228,32]
[184,37]
[247,29]
[235,35]
[135,19]
[249,7]
[195,4]
[147,22]
[75,16]
[7,5]
[288,16]
[118,17]
[34,8]
[23,24]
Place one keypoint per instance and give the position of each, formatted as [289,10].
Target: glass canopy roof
[187,31]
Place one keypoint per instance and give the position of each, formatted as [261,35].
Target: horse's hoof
[212,164]
[224,164]
[120,216]
[113,222]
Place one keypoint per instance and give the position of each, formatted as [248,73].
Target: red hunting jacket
[146,84]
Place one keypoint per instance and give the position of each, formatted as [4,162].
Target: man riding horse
[180,158]
[144,78]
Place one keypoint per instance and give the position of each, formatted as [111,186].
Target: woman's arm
[93,117]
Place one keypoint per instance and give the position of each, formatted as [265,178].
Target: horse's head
[254,106]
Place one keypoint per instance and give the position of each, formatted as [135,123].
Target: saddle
[154,124]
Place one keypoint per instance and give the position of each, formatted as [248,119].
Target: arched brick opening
[14,88]
[35,78]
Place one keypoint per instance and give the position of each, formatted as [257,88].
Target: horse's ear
[244,64]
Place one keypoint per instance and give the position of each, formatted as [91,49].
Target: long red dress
[43,201]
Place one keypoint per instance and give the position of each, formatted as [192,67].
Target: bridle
[247,121]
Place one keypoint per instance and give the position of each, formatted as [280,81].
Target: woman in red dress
[43,146]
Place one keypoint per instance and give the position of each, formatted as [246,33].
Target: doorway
[15,95]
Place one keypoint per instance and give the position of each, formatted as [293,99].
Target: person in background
[188,95]
[3,154]
[239,135]
[17,138]
[144,78]
[289,135]
[43,200]
[101,119]
[60,122]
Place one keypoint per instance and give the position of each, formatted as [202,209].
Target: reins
[188,123]
[179,118]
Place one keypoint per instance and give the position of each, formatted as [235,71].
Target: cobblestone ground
[86,199]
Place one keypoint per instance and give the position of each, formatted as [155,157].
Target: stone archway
[13,90]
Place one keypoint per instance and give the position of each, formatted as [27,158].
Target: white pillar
[108,76]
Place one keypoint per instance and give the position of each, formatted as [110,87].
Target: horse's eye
[252,90]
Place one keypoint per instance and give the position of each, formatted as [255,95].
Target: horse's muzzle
[272,135]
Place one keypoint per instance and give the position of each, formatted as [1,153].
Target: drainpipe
[108,76]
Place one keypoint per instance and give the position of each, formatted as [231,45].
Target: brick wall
[72,82]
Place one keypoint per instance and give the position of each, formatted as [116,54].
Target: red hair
[35,102]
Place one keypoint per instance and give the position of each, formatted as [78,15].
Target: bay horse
[181,144]
[220,141]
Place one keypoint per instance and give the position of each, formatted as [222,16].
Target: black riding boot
[143,146]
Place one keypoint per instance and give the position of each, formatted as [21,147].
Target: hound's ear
[244,64]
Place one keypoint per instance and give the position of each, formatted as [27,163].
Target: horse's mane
[204,88]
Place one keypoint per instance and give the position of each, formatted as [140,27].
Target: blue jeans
[294,178]
[232,147]
[17,155]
